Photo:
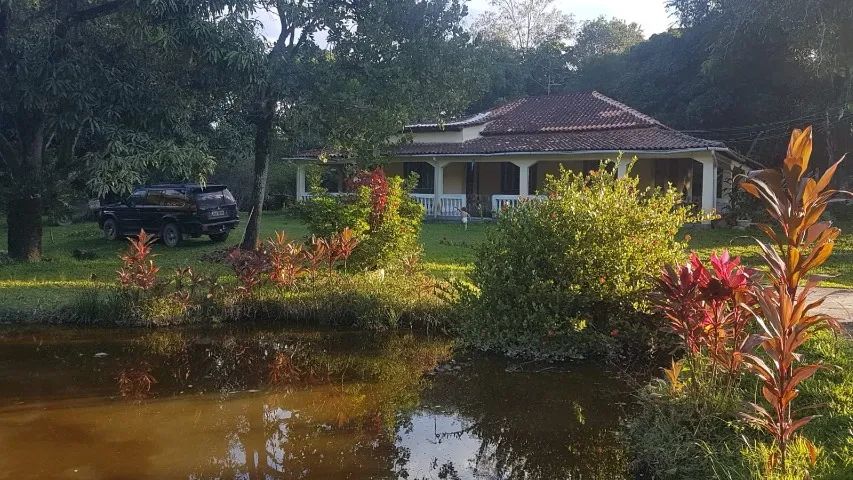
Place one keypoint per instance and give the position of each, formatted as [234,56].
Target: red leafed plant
[801,242]
[317,255]
[377,182]
[249,266]
[343,244]
[286,260]
[138,269]
[708,309]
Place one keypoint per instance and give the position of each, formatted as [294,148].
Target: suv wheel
[171,234]
[219,237]
[110,229]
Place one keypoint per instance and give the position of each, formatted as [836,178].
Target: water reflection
[266,404]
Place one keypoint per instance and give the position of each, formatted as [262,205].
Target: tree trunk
[263,131]
[24,220]
[24,206]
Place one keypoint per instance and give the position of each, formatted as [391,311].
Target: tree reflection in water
[265,404]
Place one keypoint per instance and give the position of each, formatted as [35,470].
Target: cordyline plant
[801,242]
[708,309]
[377,182]
[138,269]
[286,260]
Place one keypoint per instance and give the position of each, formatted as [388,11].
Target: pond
[252,403]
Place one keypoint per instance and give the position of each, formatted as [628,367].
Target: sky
[650,14]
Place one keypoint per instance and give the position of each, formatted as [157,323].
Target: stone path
[839,304]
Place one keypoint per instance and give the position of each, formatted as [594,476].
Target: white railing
[306,195]
[426,200]
[500,202]
[450,205]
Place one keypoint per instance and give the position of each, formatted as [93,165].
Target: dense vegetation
[740,334]
[562,275]
[380,213]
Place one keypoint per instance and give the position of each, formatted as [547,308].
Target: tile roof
[557,123]
[627,139]
[571,122]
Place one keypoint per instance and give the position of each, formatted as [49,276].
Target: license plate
[217,213]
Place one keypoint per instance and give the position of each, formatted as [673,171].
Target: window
[509,178]
[214,199]
[426,176]
[136,198]
[174,198]
[154,198]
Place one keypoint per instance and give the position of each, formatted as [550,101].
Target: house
[495,158]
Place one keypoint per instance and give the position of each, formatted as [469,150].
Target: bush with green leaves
[565,275]
[380,212]
[696,431]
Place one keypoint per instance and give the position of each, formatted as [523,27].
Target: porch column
[300,182]
[438,186]
[709,182]
[728,184]
[621,167]
[524,176]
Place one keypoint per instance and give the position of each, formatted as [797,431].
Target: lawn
[448,251]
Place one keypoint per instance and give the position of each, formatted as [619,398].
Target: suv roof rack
[190,186]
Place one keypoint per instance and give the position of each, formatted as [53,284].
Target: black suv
[172,211]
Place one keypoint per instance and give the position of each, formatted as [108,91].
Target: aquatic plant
[801,242]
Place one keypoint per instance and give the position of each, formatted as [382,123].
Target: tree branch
[101,10]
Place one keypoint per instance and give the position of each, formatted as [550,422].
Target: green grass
[448,251]
[742,243]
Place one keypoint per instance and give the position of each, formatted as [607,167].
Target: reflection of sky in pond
[436,439]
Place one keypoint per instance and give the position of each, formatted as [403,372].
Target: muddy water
[265,403]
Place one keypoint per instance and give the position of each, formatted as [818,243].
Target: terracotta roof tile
[571,122]
[624,139]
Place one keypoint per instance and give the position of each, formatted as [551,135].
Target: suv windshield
[216,199]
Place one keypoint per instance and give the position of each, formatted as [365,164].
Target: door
[130,215]
[152,212]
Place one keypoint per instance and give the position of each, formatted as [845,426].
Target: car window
[214,199]
[154,198]
[174,198]
[136,198]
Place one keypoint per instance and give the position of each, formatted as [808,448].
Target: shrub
[380,213]
[559,276]
[676,435]
[707,311]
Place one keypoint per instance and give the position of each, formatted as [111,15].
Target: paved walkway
[839,304]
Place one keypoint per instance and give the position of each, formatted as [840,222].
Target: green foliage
[556,274]
[366,300]
[601,37]
[696,433]
[383,243]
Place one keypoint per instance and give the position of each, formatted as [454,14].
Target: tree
[524,24]
[601,37]
[100,89]
[743,72]
[387,62]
